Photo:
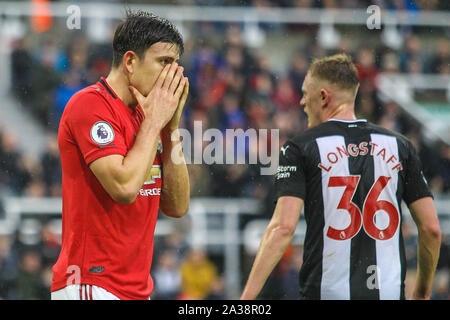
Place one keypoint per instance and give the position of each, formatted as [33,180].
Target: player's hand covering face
[165,79]
[146,70]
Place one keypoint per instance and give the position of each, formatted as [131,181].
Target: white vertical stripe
[83,292]
[335,282]
[388,251]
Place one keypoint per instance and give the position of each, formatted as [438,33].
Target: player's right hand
[162,101]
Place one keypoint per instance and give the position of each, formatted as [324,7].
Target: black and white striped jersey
[352,176]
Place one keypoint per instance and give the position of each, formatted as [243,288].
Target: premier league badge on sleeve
[102,133]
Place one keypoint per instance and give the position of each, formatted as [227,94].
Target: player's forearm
[273,245]
[137,163]
[428,255]
[176,189]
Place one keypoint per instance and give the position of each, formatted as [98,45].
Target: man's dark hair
[139,31]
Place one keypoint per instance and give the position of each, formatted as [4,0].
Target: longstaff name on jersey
[361,149]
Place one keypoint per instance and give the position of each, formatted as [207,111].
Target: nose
[302,102]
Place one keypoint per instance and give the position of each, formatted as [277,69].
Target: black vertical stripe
[310,278]
[363,247]
[400,189]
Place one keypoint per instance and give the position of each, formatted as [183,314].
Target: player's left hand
[175,121]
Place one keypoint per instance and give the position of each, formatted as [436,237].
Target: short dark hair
[337,69]
[139,31]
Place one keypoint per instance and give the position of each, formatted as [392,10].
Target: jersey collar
[107,87]
[347,121]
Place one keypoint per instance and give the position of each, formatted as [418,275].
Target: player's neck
[345,111]
[120,84]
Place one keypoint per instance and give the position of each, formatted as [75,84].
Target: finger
[181,88]
[176,80]
[185,93]
[139,97]
[162,76]
[186,90]
[170,75]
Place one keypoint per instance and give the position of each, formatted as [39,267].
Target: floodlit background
[246,60]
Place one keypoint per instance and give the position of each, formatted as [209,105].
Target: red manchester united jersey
[104,243]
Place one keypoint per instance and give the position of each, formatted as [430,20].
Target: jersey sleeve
[290,177]
[416,186]
[95,128]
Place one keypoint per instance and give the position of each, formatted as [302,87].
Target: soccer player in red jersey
[122,161]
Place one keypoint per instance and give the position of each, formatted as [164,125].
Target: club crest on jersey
[155,172]
[102,133]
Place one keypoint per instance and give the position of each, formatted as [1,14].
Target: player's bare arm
[122,177]
[425,217]
[175,189]
[276,239]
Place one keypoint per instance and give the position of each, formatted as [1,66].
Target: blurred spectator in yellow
[197,275]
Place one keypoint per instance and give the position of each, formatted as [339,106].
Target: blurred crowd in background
[323,4]
[231,86]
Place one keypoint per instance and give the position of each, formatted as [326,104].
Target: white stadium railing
[213,222]
[400,88]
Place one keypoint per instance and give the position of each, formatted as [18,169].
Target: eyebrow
[171,58]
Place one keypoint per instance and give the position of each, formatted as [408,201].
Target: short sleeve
[290,177]
[95,128]
[416,186]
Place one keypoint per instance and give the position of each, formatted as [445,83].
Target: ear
[325,96]
[129,61]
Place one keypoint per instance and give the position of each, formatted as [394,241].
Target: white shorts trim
[82,292]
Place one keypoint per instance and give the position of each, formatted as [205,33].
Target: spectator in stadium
[444,166]
[411,52]
[167,277]
[8,265]
[50,63]
[440,60]
[198,274]
[285,96]
[15,167]
[69,86]
[28,281]
[367,70]
[51,167]
[175,242]
[21,68]
[217,291]
[297,72]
